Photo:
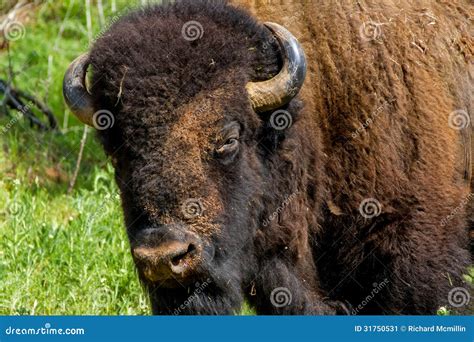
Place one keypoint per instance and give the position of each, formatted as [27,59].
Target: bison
[315,160]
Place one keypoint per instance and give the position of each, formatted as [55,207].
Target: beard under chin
[219,292]
[204,298]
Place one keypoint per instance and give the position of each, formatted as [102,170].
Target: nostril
[176,260]
[191,248]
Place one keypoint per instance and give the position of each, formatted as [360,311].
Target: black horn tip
[75,91]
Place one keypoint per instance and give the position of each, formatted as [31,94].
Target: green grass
[59,260]
[59,253]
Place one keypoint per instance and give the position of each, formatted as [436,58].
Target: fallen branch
[24,103]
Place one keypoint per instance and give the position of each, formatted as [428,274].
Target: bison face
[189,134]
[190,187]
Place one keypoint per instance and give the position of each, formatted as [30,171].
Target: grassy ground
[60,253]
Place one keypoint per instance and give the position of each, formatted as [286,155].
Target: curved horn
[279,90]
[75,91]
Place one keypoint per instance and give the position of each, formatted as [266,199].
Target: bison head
[182,96]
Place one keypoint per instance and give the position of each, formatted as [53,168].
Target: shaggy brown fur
[407,80]
[172,97]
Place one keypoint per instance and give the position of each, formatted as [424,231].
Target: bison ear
[281,89]
[75,91]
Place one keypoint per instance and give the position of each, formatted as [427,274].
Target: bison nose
[169,260]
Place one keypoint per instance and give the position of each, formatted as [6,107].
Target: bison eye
[228,148]
[230,143]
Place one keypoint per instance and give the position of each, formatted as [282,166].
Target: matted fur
[171,96]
